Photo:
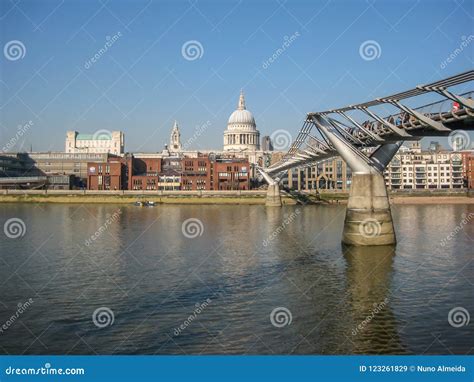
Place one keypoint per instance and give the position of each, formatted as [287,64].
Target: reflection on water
[214,294]
[369,271]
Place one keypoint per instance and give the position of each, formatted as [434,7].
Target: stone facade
[101,142]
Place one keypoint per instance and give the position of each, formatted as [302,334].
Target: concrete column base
[273,196]
[368,216]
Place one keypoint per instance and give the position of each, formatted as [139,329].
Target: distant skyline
[137,66]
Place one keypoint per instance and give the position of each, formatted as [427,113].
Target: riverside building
[414,168]
[410,169]
[101,142]
[170,173]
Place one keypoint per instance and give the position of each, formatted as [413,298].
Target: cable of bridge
[438,86]
[420,89]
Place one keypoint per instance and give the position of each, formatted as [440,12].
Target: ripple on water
[342,300]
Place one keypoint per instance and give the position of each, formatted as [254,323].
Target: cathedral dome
[241,134]
[241,117]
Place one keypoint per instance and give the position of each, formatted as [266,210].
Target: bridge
[368,147]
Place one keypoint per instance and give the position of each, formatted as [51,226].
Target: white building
[175,139]
[412,168]
[102,141]
[241,133]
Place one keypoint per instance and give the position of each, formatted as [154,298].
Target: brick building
[110,175]
[143,173]
[230,174]
[196,173]
[149,173]
[468,169]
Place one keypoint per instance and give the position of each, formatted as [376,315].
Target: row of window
[227,174]
[160,188]
[423,181]
[429,168]
[430,174]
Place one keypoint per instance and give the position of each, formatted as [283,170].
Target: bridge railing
[439,111]
[401,125]
[444,108]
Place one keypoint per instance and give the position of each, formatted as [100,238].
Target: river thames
[115,279]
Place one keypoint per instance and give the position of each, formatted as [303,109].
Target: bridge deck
[441,118]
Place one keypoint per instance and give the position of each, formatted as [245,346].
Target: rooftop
[89,137]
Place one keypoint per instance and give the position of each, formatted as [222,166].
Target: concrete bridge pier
[273,196]
[368,216]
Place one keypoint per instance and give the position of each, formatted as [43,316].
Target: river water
[114,279]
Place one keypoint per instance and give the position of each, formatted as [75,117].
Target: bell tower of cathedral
[175,138]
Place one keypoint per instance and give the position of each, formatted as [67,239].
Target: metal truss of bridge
[368,147]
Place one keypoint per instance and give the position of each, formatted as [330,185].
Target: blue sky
[143,82]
